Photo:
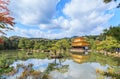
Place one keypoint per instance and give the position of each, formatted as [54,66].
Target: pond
[74,67]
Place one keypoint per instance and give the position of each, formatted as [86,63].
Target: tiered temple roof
[80,41]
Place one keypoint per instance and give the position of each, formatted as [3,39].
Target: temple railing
[77,50]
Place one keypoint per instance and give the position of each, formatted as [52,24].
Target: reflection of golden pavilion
[79,58]
[79,45]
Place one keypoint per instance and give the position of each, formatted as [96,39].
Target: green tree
[41,47]
[36,45]
[92,43]
[114,32]
[14,43]
[7,43]
[28,44]
[1,46]
[54,49]
[63,44]
[21,43]
[109,44]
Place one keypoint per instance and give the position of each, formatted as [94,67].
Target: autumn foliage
[1,41]
[5,18]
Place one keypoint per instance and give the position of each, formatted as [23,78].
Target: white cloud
[78,8]
[33,12]
[88,15]
[38,33]
[59,23]
[84,17]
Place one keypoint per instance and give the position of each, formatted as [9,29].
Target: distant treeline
[16,42]
[109,40]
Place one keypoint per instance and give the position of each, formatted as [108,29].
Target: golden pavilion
[79,45]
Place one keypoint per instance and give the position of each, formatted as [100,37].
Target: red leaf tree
[5,18]
[1,41]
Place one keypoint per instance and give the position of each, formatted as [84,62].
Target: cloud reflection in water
[75,70]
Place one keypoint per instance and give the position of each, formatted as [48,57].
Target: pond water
[67,69]
[74,67]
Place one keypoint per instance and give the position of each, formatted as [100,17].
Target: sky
[62,18]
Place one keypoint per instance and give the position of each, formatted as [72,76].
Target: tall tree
[5,18]
[114,32]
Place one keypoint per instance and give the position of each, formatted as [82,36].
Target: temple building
[79,45]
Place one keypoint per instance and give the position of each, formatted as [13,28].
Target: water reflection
[37,65]
[79,58]
[60,68]
[78,71]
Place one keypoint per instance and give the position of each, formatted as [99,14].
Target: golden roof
[80,41]
[80,44]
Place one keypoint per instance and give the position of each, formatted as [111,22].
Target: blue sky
[62,18]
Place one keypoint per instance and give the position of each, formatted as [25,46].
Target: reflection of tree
[57,66]
[113,72]
[103,60]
